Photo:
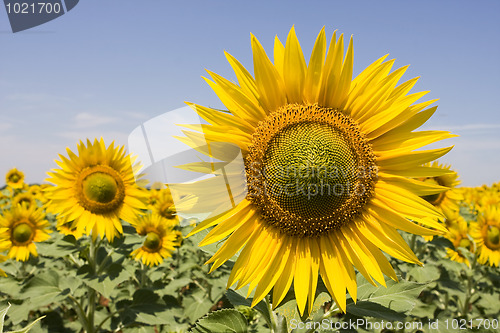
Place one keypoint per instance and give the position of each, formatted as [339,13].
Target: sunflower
[37,192]
[329,163]
[161,238]
[486,234]
[96,189]
[447,201]
[489,197]
[24,198]
[15,178]
[459,235]
[153,197]
[20,228]
[164,206]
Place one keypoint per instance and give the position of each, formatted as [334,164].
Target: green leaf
[237,299]
[2,317]
[58,247]
[147,308]
[424,310]
[196,305]
[23,330]
[370,309]
[398,296]
[27,328]
[142,329]
[154,314]
[424,274]
[222,321]
[106,284]
[43,289]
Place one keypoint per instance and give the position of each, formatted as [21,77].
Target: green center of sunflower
[493,236]
[100,189]
[22,234]
[14,178]
[152,242]
[309,169]
[465,242]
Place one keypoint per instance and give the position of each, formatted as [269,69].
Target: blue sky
[107,66]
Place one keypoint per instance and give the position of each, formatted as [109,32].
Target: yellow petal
[411,159]
[269,83]
[294,69]
[302,274]
[279,55]
[273,272]
[331,269]
[315,68]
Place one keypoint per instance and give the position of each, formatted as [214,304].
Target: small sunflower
[459,235]
[161,239]
[329,163]
[489,197]
[37,192]
[96,188]
[20,228]
[153,197]
[446,201]
[15,178]
[486,234]
[164,206]
[24,198]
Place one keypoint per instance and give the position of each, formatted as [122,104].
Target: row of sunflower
[471,218]
[42,241]
[30,214]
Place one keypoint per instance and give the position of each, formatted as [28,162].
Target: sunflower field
[339,219]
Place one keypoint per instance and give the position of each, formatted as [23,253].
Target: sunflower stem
[143,276]
[91,292]
[79,311]
[271,321]
[108,317]
[413,242]
[470,288]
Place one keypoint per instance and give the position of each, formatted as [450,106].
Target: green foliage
[223,321]
[97,287]
[3,313]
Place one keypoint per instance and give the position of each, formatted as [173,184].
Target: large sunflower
[329,162]
[161,238]
[20,228]
[96,188]
[486,234]
[15,178]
